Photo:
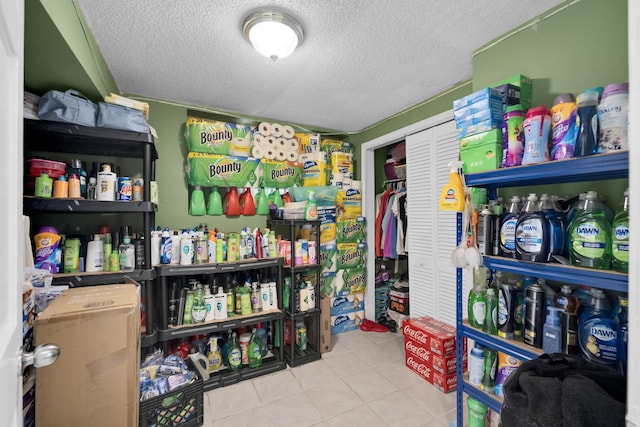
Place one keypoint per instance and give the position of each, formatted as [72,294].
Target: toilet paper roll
[257,152]
[270,154]
[356,185]
[259,140]
[265,128]
[292,156]
[271,142]
[293,144]
[281,155]
[276,129]
[288,132]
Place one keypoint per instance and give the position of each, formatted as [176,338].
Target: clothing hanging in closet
[391,223]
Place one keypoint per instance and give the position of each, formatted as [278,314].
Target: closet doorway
[430,145]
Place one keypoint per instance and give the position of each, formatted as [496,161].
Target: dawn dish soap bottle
[556,232]
[597,330]
[620,243]
[508,229]
[532,233]
[255,350]
[590,236]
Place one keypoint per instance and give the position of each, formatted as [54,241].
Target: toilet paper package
[347,304]
[346,322]
[326,284]
[350,281]
[350,229]
[308,142]
[215,137]
[351,255]
[349,202]
[327,214]
[341,161]
[328,258]
[276,174]
[314,173]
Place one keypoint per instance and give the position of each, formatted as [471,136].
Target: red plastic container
[50,167]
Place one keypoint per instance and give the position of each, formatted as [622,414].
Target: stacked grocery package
[430,351]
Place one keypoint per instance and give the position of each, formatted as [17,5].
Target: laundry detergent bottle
[532,233]
[590,236]
[597,330]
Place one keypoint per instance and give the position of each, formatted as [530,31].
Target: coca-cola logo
[416,335]
[451,381]
[420,368]
[421,352]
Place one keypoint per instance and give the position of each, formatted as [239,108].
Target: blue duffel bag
[69,107]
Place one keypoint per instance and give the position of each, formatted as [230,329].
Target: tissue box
[350,281]
[468,127]
[482,94]
[346,322]
[347,304]
[490,107]
[481,152]
[351,255]
[328,258]
[350,229]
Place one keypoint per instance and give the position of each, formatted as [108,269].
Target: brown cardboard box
[325,324]
[95,381]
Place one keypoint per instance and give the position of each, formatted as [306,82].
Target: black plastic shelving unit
[56,137]
[293,355]
[166,332]
[591,168]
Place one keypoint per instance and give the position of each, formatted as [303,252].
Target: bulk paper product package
[326,284]
[328,233]
[214,170]
[308,142]
[351,255]
[98,331]
[330,145]
[350,281]
[314,173]
[276,174]
[350,229]
[347,304]
[341,162]
[325,326]
[214,137]
[327,214]
[346,322]
[328,258]
[349,202]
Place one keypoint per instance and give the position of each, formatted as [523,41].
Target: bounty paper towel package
[347,304]
[214,170]
[275,174]
[350,229]
[351,255]
[350,281]
[328,258]
[328,233]
[327,284]
[214,137]
[331,145]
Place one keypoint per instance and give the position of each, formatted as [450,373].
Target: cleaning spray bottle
[311,209]
[452,197]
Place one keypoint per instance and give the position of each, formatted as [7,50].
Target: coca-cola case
[444,383]
[417,350]
[418,366]
[439,337]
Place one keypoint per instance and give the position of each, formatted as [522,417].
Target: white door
[11,251]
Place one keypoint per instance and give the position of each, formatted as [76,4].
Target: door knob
[44,355]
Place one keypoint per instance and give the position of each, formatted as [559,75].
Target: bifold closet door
[432,233]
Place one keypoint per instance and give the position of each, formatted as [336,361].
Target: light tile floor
[363,381]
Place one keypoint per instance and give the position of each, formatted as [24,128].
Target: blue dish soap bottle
[597,330]
[508,229]
[532,232]
[556,232]
[552,338]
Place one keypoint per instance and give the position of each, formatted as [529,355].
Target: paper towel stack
[274,141]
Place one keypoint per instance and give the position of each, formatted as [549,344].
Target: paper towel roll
[276,129]
[292,156]
[288,132]
[293,144]
[272,142]
[270,154]
[281,155]
[265,128]
[257,152]
[259,140]
[281,143]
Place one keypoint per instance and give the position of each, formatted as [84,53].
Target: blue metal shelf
[590,168]
[603,279]
[517,349]
[481,396]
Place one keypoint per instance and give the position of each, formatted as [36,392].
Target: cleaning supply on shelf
[48,252]
[74,187]
[255,350]
[566,300]
[513,136]
[95,254]
[477,306]
[532,233]
[563,126]
[197,206]
[490,366]
[452,196]
[622,334]
[214,355]
[262,202]
[231,203]
[477,412]
[569,331]
[590,236]
[186,248]
[597,330]
[256,299]
[476,365]
[556,232]
[79,170]
[587,124]
[508,228]
[215,202]
[199,308]
[44,186]
[60,188]
[506,366]
[537,124]
[485,230]
[534,317]
[491,314]
[311,208]
[106,184]
[620,237]
[552,332]
[127,254]
[209,304]
[166,247]
[234,353]
[613,114]
[262,334]
[247,204]
[507,304]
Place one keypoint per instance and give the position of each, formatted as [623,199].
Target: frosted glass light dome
[273,34]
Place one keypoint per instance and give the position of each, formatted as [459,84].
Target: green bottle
[255,350]
[188,307]
[262,202]
[620,236]
[234,353]
[590,236]
[491,313]
[490,364]
[245,300]
[197,206]
[215,202]
[276,199]
[199,309]
[477,306]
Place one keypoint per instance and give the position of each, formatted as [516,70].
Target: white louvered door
[432,233]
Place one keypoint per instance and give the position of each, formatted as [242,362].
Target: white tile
[348,364]
[321,424]
[398,373]
[312,374]
[380,354]
[369,385]
[249,418]
[334,397]
[382,337]
[276,386]
[296,410]
[432,399]
[397,409]
[338,347]
[233,399]
[362,415]
[358,340]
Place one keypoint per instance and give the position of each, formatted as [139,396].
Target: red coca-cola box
[418,366]
[418,350]
[428,331]
[444,383]
[444,364]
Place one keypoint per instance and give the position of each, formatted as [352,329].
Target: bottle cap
[537,111]
[616,89]
[513,108]
[565,97]
[588,98]
[597,89]
[48,229]
[62,178]
[553,316]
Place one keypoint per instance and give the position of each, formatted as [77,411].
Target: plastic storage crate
[182,407]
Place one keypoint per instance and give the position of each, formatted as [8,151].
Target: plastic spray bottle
[311,209]
[452,197]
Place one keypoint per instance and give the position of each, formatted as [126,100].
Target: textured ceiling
[361,61]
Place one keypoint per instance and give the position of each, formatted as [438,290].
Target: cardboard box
[325,325]
[492,104]
[419,367]
[509,93]
[481,152]
[427,331]
[445,365]
[418,350]
[484,93]
[96,378]
[526,88]
[347,304]
[444,383]
[399,300]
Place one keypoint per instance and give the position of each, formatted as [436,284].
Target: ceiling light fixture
[272,33]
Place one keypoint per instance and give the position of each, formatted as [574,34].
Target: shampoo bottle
[220,305]
[106,184]
[452,197]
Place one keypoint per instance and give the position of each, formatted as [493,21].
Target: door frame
[368,176]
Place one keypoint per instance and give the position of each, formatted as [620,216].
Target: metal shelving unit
[590,168]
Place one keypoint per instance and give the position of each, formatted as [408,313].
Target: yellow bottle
[452,196]
[215,358]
